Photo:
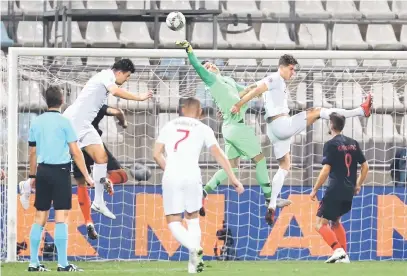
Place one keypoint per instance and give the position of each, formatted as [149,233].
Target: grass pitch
[260,268]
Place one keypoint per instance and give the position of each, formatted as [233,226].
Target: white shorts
[180,195]
[281,130]
[87,137]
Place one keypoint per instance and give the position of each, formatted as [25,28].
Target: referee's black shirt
[342,154]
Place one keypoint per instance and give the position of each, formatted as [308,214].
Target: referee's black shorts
[53,185]
[332,209]
[112,163]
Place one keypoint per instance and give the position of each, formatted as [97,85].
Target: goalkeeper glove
[184,44]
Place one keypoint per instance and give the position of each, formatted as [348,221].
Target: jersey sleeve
[208,78]
[31,136]
[267,81]
[328,154]
[108,79]
[210,138]
[359,154]
[70,133]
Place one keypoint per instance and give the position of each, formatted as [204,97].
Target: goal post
[315,83]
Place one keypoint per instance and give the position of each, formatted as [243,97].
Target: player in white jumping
[84,110]
[182,140]
[281,127]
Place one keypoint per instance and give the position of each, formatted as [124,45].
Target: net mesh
[140,231]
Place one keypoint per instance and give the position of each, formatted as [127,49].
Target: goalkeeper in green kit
[240,139]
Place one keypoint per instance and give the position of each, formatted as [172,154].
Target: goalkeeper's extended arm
[256,91]
[208,78]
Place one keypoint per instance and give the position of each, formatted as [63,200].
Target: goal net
[377,225]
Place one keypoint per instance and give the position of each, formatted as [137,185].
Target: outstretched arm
[248,95]
[247,89]
[119,114]
[208,78]
[124,94]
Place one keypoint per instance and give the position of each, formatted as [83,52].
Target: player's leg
[340,233]
[174,206]
[220,176]
[117,174]
[329,210]
[339,230]
[43,199]
[363,110]
[94,147]
[280,132]
[193,192]
[234,156]
[62,201]
[83,196]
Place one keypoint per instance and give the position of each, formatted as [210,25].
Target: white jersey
[275,98]
[184,138]
[89,101]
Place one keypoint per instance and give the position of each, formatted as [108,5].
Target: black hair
[54,97]
[337,120]
[124,65]
[204,62]
[286,60]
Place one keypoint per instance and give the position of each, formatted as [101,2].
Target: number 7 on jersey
[186,134]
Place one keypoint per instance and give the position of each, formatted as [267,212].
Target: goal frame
[12,110]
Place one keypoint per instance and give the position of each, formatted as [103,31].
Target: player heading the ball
[281,127]
[340,160]
[182,140]
[84,110]
[240,139]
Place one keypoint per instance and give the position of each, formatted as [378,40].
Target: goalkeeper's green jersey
[224,91]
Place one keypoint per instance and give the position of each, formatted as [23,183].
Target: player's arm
[76,152]
[322,177]
[116,112]
[208,78]
[33,160]
[158,155]
[220,157]
[77,156]
[159,147]
[364,168]
[244,90]
[255,90]
[32,154]
[328,157]
[124,94]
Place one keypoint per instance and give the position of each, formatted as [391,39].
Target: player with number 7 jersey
[182,140]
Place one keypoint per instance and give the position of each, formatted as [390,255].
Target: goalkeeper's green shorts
[240,140]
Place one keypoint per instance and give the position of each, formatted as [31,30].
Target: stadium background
[377,224]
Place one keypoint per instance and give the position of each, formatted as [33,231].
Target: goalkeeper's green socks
[216,179]
[262,177]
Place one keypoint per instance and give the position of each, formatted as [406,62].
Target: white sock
[276,186]
[194,230]
[357,112]
[181,234]
[99,171]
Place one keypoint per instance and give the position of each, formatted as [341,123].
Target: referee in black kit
[52,141]
[340,161]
